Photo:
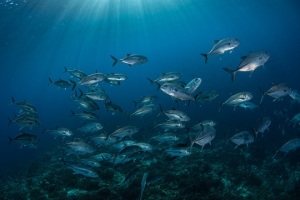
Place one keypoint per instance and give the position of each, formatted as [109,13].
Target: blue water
[39,38]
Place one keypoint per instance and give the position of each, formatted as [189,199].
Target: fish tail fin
[262,95]
[10,140]
[135,103]
[205,55]
[81,93]
[231,71]
[161,111]
[73,83]
[221,105]
[65,69]
[115,60]
[50,81]
[158,85]
[13,100]
[150,80]
[72,112]
[9,121]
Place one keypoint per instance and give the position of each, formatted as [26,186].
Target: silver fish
[289,146]
[176,152]
[176,115]
[243,137]
[145,100]
[295,95]
[237,99]
[221,46]
[277,91]
[116,77]
[86,115]
[296,119]
[90,127]
[263,125]
[176,91]
[192,86]
[203,97]
[124,131]
[83,170]
[166,77]
[131,59]
[203,137]
[142,111]
[143,184]
[79,148]
[248,105]
[250,63]
[92,79]
[59,131]
[171,125]
[76,73]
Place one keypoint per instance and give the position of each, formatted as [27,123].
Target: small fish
[166,77]
[116,77]
[143,184]
[142,111]
[243,137]
[113,108]
[250,63]
[78,147]
[124,131]
[145,100]
[171,125]
[85,115]
[166,138]
[289,146]
[131,174]
[83,170]
[178,152]
[221,46]
[296,119]
[295,95]
[203,97]
[76,73]
[59,131]
[176,115]
[63,83]
[25,139]
[192,86]
[90,128]
[131,59]
[264,125]
[248,105]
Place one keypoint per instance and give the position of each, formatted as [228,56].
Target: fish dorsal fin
[243,57]
[216,41]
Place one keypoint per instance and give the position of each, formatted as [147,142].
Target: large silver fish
[92,79]
[221,46]
[166,77]
[142,111]
[90,127]
[63,83]
[130,59]
[176,115]
[250,63]
[237,99]
[76,73]
[277,91]
[203,137]
[124,131]
[174,90]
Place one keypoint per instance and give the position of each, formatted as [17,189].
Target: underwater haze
[152,99]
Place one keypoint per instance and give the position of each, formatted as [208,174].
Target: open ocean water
[142,143]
